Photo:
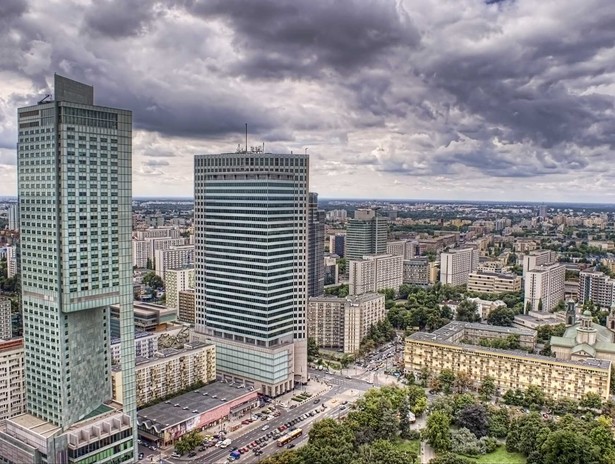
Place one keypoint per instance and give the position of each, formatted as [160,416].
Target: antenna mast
[246,137]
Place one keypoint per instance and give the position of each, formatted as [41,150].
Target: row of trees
[369,434]
[380,333]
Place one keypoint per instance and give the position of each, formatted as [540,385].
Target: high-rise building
[537,258]
[175,281]
[544,287]
[177,257]
[457,264]
[366,234]
[542,211]
[597,287]
[75,197]
[341,323]
[186,306]
[251,252]
[12,386]
[374,273]
[6,326]
[11,261]
[337,244]
[316,248]
[13,217]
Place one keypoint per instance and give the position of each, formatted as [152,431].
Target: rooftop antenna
[43,100]
[246,137]
[306,151]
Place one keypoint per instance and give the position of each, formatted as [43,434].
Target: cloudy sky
[432,99]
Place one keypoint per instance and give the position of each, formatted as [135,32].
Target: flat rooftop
[443,334]
[204,399]
[165,353]
[35,425]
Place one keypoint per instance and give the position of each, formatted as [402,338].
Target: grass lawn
[408,445]
[500,456]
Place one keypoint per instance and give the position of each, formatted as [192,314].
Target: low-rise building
[485,307]
[341,323]
[491,282]
[148,317]
[431,353]
[166,422]
[169,371]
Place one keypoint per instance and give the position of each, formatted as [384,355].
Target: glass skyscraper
[251,265]
[75,194]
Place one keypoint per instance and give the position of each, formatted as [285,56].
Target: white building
[175,281]
[13,214]
[457,264]
[6,330]
[177,257]
[341,323]
[597,287]
[406,248]
[159,232]
[11,261]
[146,249]
[537,258]
[12,385]
[374,273]
[544,287]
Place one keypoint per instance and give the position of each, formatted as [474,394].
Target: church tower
[587,333]
[571,313]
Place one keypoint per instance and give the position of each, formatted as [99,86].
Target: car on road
[141,456]
[317,400]
[290,446]
[264,427]
[258,452]
[191,454]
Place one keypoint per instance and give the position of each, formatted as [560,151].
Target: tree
[437,432]
[463,382]
[501,316]
[487,388]
[450,458]
[591,400]
[468,311]
[342,265]
[312,348]
[384,452]
[152,280]
[527,433]
[188,442]
[446,380]
[499,422]
[540,305]
[330,442]
[465,442]
[474,418]
[568,446]
[285,457]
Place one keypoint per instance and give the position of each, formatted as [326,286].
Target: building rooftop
[445,333]
[35,425]
[190,405]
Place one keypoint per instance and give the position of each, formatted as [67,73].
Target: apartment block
[6,325]
[374,273]
[537,258]
[11,261]
[175,281]
[434,352]
[159,232]
[146,345]
[544,287]
[492,282]
[12,382]
[416,271]
[147,248]
[597,287]
[186,309]
[406,248]
[457,264]
[341,323]
[170,371]
[177,257]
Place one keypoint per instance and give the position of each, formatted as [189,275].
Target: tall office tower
[366,234]
[316,248]
[544,287]
[14,217]
[456,265]
[251,253]
[75,195]
[337,244]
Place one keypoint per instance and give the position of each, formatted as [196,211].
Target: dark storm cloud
[286,38]
[11,9]
[110,18]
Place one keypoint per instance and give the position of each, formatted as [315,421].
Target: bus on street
[290,436]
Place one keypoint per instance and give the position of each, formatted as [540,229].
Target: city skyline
[441,101]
